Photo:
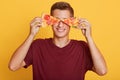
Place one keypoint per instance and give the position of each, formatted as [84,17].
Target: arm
[98,60]
[99,64]
[17,59]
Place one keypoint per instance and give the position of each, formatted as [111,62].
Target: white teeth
[60,30]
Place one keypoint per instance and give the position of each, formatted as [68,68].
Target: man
[59,58]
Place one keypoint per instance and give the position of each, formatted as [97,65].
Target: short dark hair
[62,6]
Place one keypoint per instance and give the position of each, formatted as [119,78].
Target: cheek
[53,28]
[55,25]
[68,28]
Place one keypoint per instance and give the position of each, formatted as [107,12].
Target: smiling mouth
[60,30]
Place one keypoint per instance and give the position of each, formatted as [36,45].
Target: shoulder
[80,42]
[40,41]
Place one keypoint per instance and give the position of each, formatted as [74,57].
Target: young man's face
[60,29]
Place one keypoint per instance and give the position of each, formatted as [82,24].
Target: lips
[60,30]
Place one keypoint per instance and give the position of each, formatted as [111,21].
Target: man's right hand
[35,25]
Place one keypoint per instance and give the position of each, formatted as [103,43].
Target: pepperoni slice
[47,17]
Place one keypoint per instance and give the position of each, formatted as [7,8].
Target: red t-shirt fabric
[50,62]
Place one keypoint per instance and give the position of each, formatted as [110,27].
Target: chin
[61,35]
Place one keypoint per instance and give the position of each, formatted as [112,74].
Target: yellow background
[104,15]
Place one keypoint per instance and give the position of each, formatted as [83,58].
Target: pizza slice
[50,20]
[73,22]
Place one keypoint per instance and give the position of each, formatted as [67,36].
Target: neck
[61,42]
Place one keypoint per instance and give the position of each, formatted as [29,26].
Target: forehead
[61,14]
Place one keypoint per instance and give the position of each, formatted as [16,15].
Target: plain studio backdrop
[104,15]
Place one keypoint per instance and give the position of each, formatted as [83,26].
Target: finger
[36,23]
[36,19]
[84,24]
[83,27]
[83,20]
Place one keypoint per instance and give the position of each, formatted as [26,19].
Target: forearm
[17,60]
[18,57]
[99,64]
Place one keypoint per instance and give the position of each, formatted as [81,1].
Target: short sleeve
[87,57]
[28,59]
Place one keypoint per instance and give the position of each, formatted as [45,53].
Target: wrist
[31,36]
[89,38]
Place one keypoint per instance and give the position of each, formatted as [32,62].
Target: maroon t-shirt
[50,62]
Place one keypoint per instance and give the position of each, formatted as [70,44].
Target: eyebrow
[60,19]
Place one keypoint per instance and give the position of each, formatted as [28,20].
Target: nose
[60,24]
